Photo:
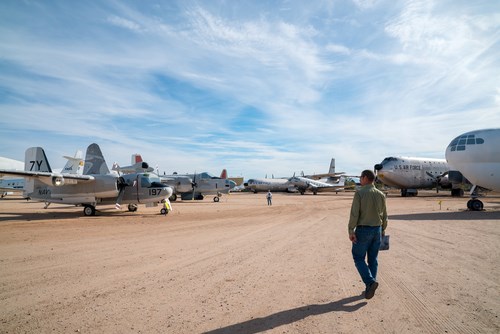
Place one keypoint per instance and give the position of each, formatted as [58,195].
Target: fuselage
[203,183]
[104,189]
[207,184]
[11,184]
[257,185]
[476,155]
[411,173]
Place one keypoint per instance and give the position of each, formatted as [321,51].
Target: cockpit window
[149,181]
[386,160]
[460,143]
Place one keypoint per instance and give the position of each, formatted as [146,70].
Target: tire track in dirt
[427,316]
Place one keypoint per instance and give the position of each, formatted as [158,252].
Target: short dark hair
[368,174]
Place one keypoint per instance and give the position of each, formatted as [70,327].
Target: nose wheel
[475,205]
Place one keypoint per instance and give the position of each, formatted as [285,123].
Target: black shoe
[370,291]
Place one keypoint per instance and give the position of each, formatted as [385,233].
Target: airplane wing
[322,176]
[319,184]
[47,177]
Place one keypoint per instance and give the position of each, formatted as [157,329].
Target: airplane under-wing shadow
[460,215]
[59,213]
[289,316]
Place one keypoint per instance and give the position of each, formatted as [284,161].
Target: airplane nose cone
[378,166]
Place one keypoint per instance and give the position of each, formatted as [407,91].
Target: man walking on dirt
[367,224]
[269,197]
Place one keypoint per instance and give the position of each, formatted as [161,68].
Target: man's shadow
[290,316]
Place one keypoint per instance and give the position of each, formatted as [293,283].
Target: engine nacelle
[444,182]
[58,181]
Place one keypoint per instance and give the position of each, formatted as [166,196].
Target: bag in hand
[384,243]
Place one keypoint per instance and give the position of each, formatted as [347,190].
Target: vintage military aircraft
[476,155]
[97,186]
[137,165]
[274,185]
[315,182]
[9,184]
[303,184]
[197,185]
[410,174]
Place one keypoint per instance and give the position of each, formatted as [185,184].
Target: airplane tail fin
[223,175]
[74,164]
[35,160]
[332,167]
[94,161]
[136,158]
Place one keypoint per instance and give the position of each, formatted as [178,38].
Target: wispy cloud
[270,88]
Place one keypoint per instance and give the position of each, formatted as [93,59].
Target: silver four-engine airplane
[410,174]
[331,181]
[97,186]
[303,184]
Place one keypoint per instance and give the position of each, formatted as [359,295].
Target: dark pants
[366,247]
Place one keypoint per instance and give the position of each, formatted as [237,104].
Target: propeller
[437,179]
[193,184]
[376,168]
[120,185]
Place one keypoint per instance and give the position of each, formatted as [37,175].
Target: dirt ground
[239,266]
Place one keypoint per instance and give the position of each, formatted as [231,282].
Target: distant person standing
[269,197]
[367,224]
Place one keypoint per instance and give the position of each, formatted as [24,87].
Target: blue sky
[257,87]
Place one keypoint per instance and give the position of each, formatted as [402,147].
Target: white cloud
[178,83]
[340,49]
[365,4]
[124,23]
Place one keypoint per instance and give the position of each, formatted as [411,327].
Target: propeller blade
[120,184]
[194,185]
[119,200]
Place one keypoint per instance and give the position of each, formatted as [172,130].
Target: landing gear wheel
[89,210]
[476,205]
[132,207]
[216,199]
[164,211]
[173,198]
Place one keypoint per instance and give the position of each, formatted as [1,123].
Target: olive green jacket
[368,208]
